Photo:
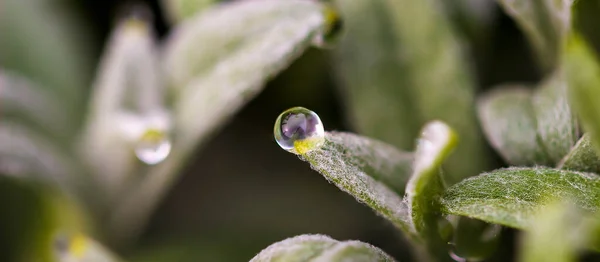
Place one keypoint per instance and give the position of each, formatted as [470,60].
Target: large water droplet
[153,147]
[299,130]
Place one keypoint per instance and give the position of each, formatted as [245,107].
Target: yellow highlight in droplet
[153,136]
[78,245]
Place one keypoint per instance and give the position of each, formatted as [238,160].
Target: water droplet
[153,147]
[299,130]
[331,31]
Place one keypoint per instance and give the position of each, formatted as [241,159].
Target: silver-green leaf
[513,196]
[508,120]
[426,184]
[582,157]
[320,248]
[180,10]
[359,166]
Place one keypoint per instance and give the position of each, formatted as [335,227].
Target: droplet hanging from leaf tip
[153,147]
[299,130]
[331,30]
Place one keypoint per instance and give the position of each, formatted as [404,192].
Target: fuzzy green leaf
[360,166]
[545,23]
[556,235]
[513,196]
[508,120]
[426,184]
[582,157]
[214,64]
[180,10]
[320,248]
[583,72]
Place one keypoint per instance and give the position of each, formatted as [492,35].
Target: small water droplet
[299,130]
[153,147]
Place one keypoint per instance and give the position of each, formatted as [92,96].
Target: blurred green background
[241,192]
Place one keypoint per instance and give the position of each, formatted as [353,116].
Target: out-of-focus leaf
[432,49]
[128,93]
[556,235]
[80,248]
[545,23]
[474,240]
[24,153]
[180,10]
[320,248]
[583,72]
[43,41]
[33,106]
[508,120]
[582,157]
[530,127]
[387,56]
[359,166]
[513,196]
[556,123]
[214,64]
[585,21]
[375,80]
[473,17]
[426,185]
[34,213]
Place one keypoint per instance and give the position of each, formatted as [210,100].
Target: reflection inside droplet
[299,130]
[153,147]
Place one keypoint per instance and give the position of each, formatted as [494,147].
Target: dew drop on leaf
[299,130]
[153,147]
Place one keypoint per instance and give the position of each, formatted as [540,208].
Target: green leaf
[28,228]
[583,72]
[33,106]
[45,42]
[214,64]
[359,166]
[556,235]
[513,196]
[530,127]
[127,100]
[385,60]
[180,10]
[426,184]
[557,126]
[582,157]
[545,23]
[474,240]
[320,248]
[364,168]
[374,81]
[508,120]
